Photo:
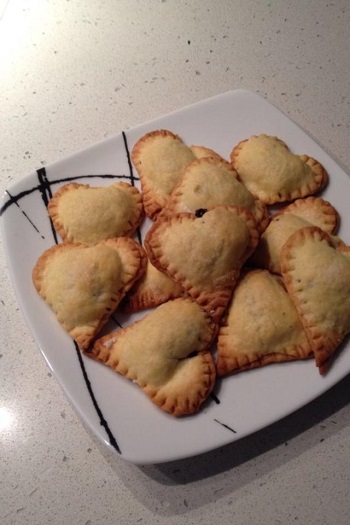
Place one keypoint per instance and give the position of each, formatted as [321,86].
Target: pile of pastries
[228,284]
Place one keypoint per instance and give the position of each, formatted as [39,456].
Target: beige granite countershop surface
[75,72]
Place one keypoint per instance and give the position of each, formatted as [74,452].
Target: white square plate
[116,410]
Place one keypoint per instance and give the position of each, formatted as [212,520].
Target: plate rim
[29,322]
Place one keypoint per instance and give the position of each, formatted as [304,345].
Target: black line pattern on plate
[44,188]
[131,171]
[132,178]
[113,318]
[46,194]
[226,426]
[15,198]
[13,201]
[103,422]
[215,398]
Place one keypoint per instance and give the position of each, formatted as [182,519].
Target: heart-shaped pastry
[160,158]
[315,210]
[153,289]
[204,252]
[260,327]
[81,213]
[84,284]
[200,152]
[211,181]
[166,354]
[273,173]
[317,277]
[312,211]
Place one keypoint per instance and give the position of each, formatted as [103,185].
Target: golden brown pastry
[167,354]
[153,289]
[312,211]
[81,213]
[204,252]
[84,284]
[160,158]
[211,181]
[201,151]
[273,173]
[261,326]
[317,277]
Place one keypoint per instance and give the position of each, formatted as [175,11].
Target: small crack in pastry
[167,354]
[211,181]
[84,284]
[81,213]
[317,277]
[204,253]
[273,173]
[261,326]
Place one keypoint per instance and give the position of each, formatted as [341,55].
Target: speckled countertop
[75,72]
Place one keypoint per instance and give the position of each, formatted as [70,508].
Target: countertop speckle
[73,73]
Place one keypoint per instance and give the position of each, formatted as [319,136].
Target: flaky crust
[84,284]
[317,277]
[167,354]
[160,158]
[81,213]
[204,255]
[261,326]
[273,173]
